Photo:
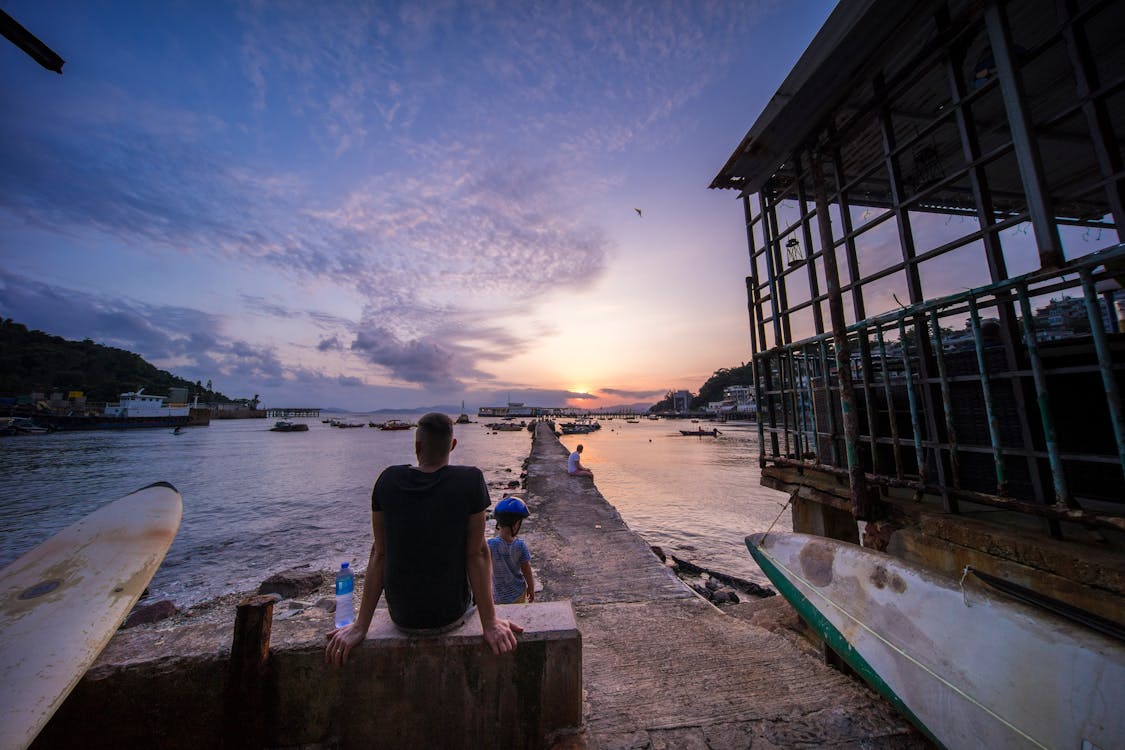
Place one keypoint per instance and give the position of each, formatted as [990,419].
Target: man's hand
[341,641]
[530,596]
[500,635]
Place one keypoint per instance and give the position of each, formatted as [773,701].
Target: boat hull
[105,422]
[969,668]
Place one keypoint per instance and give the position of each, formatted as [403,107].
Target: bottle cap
[343,565]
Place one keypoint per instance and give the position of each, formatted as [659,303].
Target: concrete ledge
[397,690]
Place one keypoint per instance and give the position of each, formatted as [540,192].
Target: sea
[257,502]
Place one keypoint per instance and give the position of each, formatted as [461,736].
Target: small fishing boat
[24,426]
[701,433]
[394,424]
[284,426]
[969,667]
[581,427]
[506,426]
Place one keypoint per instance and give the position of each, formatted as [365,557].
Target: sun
[580,389]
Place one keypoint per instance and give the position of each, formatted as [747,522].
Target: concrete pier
[662,668]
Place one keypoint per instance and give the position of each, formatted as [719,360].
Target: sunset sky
[384,205]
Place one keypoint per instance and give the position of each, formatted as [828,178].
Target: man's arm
[500,635]
[342,640]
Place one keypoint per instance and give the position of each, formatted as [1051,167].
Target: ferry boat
[141,404]
[133,409]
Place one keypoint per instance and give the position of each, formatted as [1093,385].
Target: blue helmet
[512,505]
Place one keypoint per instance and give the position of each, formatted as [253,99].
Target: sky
[391,205]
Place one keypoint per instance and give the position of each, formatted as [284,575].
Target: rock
[711,584]
[327,603]
[292,583]
[514,483]
[659,552]
[725,596]
[701,590]
[148,613]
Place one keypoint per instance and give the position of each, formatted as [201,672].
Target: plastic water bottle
[345,584]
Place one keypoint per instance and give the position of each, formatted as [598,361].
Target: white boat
[141,404]
[969,667]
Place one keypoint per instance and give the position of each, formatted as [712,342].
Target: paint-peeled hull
[969,668]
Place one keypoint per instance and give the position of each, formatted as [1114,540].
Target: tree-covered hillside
[36,362]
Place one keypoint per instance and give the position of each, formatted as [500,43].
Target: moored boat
[285,426]
[394,424]
[134,409]
[506,426]
[23,426]
[969,667]
[581,427]
[701,433]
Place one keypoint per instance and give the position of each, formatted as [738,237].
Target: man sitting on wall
[574,465]
[429,551]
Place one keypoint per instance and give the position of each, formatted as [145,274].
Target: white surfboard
[970,668]
[61,602]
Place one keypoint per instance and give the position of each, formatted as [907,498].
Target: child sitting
[512,581]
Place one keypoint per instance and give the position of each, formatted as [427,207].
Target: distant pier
[289,413]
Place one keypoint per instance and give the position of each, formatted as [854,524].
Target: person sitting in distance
[574,466]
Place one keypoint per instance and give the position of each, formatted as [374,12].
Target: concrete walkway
[662,668]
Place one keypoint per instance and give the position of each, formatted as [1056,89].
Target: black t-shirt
[426,527]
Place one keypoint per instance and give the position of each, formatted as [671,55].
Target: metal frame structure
[917,155]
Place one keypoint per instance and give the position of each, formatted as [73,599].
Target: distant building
[681,402]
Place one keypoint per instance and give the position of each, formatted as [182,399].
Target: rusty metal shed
[934,212]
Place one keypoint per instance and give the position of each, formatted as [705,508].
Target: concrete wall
[445,691]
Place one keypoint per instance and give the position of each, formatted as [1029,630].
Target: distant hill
[36,362]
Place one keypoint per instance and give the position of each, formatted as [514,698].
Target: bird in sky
[639,212]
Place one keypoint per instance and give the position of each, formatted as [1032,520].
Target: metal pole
[892,414]
[913,401]
[833,434]
[1105,362]
[947,403]
[856,480]
[989,406]
[1023,138]
[1058,476]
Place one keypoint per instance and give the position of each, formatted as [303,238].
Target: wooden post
[243,707]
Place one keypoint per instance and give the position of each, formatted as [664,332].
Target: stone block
[166,688]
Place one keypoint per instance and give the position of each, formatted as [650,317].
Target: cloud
[622,393]
[447,192]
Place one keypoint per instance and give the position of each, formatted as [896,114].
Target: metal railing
[1003,412]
